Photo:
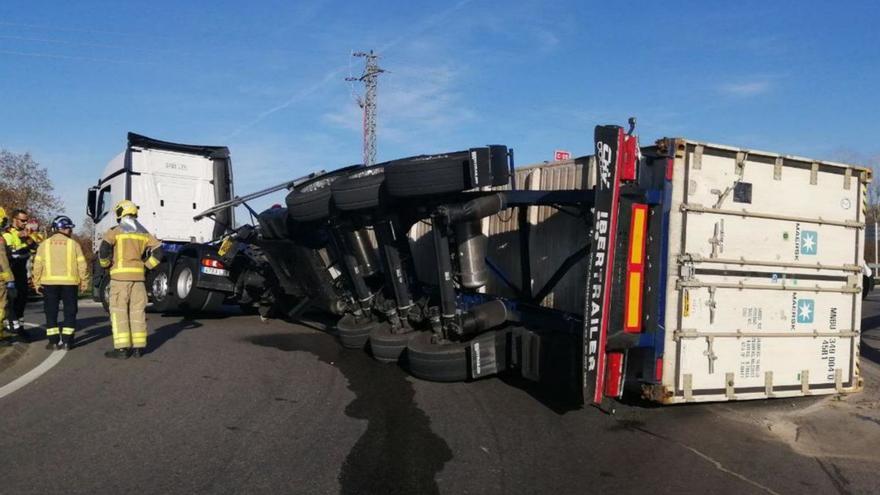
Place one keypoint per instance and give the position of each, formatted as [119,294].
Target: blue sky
[266,78]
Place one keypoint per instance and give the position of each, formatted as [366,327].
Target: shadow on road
[398,453]
[167,332]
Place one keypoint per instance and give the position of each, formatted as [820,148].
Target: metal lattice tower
[370,78]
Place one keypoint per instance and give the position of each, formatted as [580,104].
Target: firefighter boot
[117,354]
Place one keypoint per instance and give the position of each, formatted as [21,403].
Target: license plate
[207,270]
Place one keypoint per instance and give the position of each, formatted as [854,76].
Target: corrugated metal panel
[555,236]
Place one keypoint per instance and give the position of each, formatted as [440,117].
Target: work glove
[11,290]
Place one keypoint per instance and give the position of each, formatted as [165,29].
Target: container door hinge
[777,168]
[688,384]
[838,379]
[710,354]
[712,305]
[814,174]
[728,386]
[717,241]
[741,157]
[847,177]
[805,382]
[768,384]
[698,157]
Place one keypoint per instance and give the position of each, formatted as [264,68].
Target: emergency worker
[59,270]
[19,245]
[127,249]
[5,276]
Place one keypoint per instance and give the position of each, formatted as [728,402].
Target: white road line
[33,374]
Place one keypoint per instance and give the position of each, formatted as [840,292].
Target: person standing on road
[5,278]
[59,270]
[124,250]
[19,244]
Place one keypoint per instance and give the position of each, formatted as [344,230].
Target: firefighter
[19,244]
[124,250]
[59,270]
[5,277]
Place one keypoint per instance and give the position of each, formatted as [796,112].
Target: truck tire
[192,299]
[159,284]
[389,347]
[312,201]
[354,334]
[359,190]
[437,362]
[429,176]
[104,291]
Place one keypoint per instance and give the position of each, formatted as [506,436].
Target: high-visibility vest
[5,272]
[127,261]
[60,261]
[17,246]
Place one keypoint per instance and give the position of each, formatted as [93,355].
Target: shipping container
[763,287]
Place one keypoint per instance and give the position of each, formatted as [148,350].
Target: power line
[370,78]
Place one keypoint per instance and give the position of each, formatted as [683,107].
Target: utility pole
[370,78]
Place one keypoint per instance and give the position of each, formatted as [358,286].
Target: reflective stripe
[119,261]
[67,331]
[152,262]
[69,276]
[6,276]
[114,271]
[104,263]
[52,331]
[80,259]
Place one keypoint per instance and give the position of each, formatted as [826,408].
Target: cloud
[746,89]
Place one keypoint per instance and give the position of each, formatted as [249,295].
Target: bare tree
[24,183]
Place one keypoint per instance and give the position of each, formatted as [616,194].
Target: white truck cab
[170,183]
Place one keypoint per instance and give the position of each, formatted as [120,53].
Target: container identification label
[750,358]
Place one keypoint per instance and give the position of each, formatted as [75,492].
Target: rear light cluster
[212,263]
[635,269]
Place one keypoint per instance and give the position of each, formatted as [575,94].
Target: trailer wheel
[311,202]
[437,362]
[191,298]
[430,175]
[159,285]
[353,334]
[389,347]
[359,190]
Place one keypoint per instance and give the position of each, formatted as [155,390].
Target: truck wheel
[312,201]
[430,175]
[104,290]
[190,298]
[388,347]
[437,362]
[164,299]
[353,334]
[359,190]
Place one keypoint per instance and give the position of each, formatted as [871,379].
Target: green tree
[24,183]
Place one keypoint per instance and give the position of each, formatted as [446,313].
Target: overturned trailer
[703,272]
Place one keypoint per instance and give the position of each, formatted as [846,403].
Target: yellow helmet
[125,208]
[4,219]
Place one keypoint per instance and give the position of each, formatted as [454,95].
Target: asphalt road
[233,405]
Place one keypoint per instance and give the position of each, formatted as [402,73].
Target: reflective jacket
[124,252]
[5,272]
[60,261]
[19,249]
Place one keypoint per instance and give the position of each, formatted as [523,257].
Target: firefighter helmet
[62,222]
[4,218]
[125,208]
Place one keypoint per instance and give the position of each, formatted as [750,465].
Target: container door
[765,296]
